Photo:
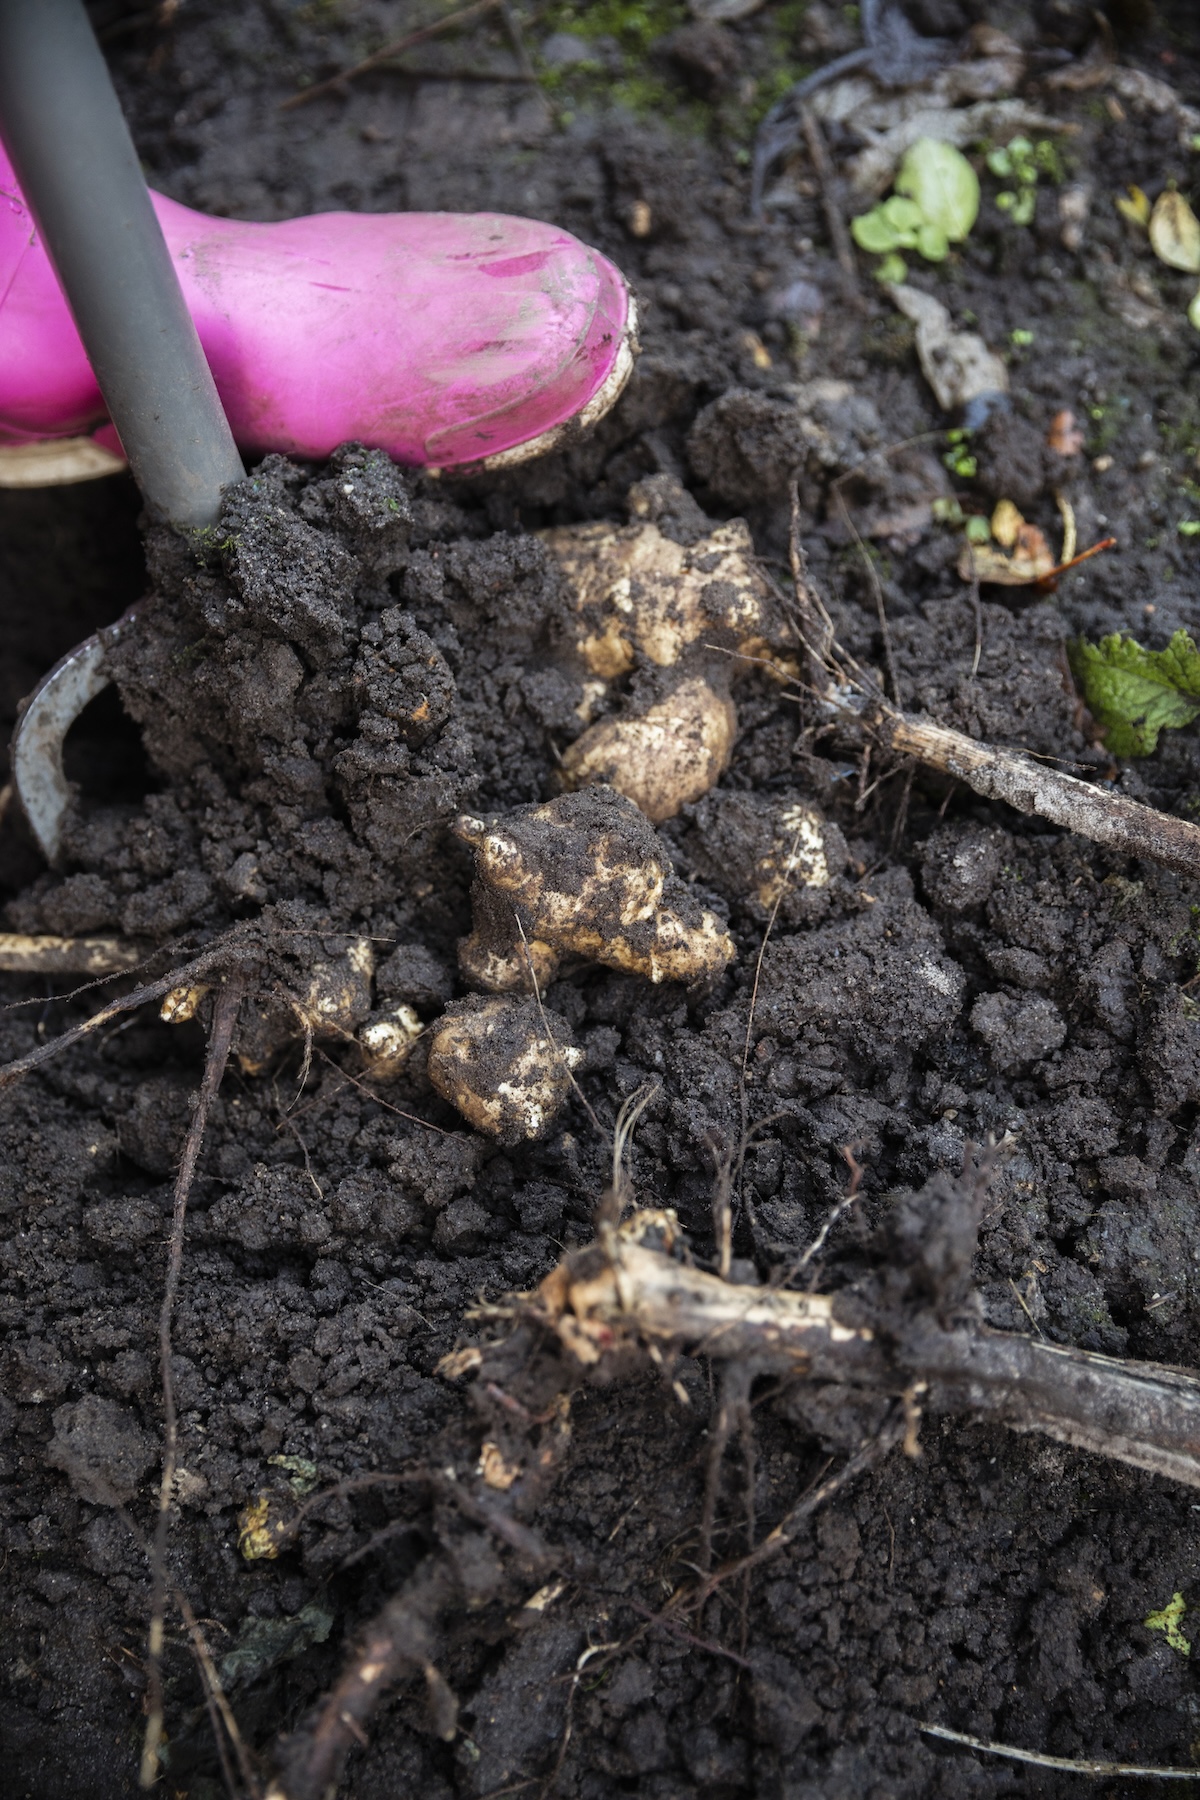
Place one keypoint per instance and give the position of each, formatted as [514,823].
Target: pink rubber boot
[446,339]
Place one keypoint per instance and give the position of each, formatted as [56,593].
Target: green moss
[633,27]
[625,73]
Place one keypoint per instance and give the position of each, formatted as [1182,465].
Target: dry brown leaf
[957,364]
[1065,437]
[1175,233]
[1006,523]
[1134,206]
[1030,560]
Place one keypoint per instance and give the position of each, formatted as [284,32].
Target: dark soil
[968,975]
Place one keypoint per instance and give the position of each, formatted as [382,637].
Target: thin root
[229,999]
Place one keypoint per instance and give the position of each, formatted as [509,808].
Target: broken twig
[24,955]
[187,975]
[1098,813]
[1073,1765]
[831,198]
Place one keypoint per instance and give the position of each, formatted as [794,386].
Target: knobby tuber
[666,599]
[505,1063]
[387,1038]
[661,759]
[641,593]
[583,876]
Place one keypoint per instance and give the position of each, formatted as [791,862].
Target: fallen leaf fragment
[958,365]
[1134,205]
[1170,1621]
[1065,437]
[1030,559]
[1175,233]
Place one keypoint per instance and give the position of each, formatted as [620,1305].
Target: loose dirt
[356,655]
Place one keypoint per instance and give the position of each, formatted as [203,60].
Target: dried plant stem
[404,1636]
[1098,813]
[186,975]
[1139,1413]
[24,955]
[228,1000]
[1073,1765]
[832,203]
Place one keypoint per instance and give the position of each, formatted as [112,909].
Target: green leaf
[932,243]
[943,184]
[1170,1620]
[874,231]
[893,268]
[902,215]
[1134,693]
[1026,207]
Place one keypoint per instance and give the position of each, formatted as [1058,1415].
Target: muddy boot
[446,339]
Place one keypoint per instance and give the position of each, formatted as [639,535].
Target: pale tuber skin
[334,1000]
[645,599]
[641,594]
[661,759]
[797,856]
[583,876]
[387,1038]
[505,1064]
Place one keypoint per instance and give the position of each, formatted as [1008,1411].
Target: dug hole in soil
[307,702]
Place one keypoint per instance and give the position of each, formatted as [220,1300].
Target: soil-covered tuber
[387,1038]
[678,598]
[640,592]
[584,876]
[504,1063]
[661,759]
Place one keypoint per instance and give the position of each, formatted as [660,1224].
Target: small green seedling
[947,510]
[935,204]
[1134,693]
[1021,161]
[958,458]
[1170,1620]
